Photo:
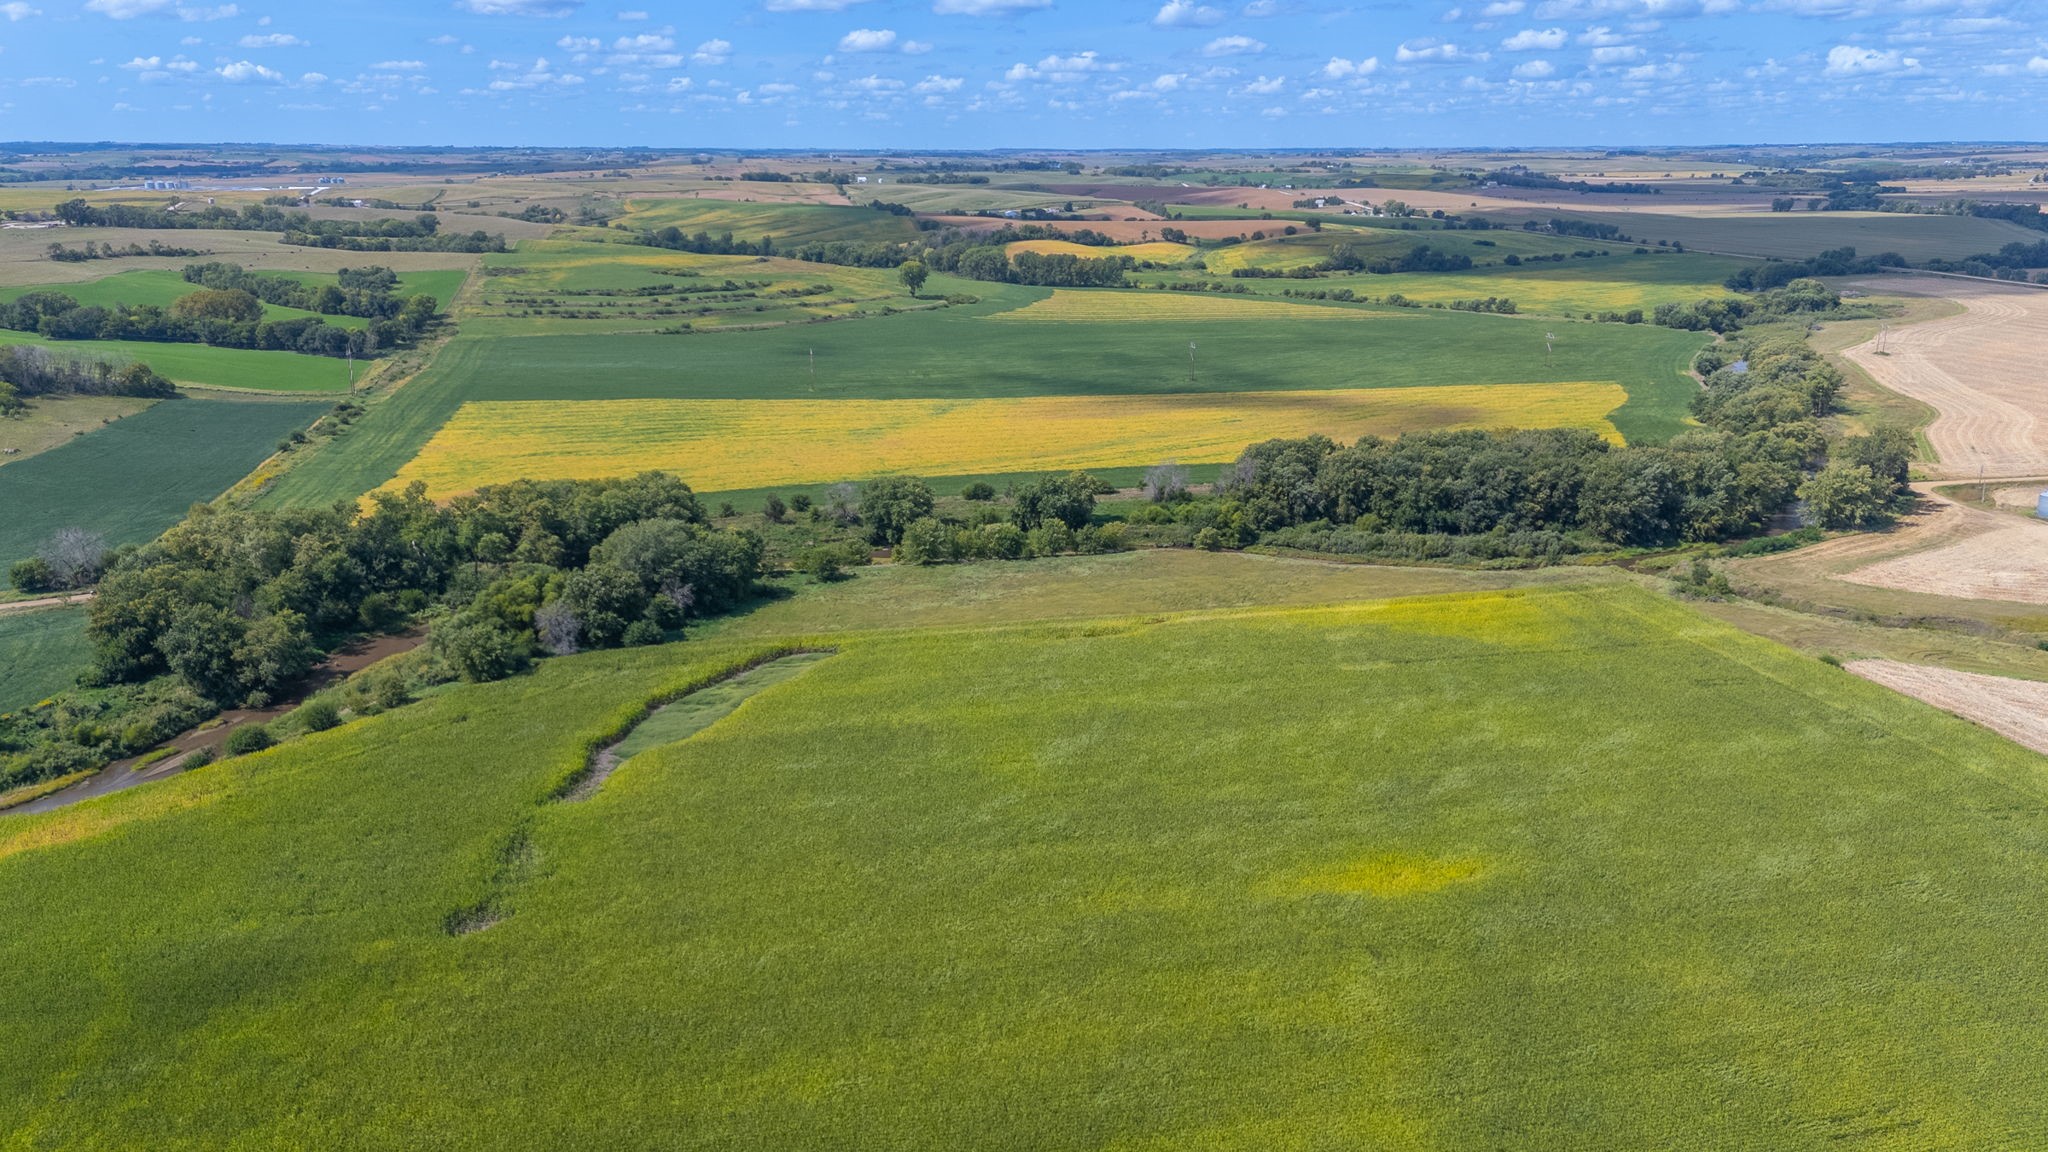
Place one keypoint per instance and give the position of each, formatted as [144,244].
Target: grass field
[1094,306]
[23,258]
[789,224]
[137,476]
[41,653]
[200,364]
[1486,871]
[1794,235]
[54,420]
[720,445]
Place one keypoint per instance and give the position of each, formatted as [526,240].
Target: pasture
[137,476]
[1475,871]
[789,224]
[41,654]
[54,420]
[204,366]
[721,445]
[163,287]
[23,258]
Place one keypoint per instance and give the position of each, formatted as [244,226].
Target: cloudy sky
[1022,73]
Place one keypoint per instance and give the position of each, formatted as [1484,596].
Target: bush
[979,490]
[822,565]
[927,541]
[32,575]
[249,738]
[774,509]
[800,503]
[199,758]
[643,632]
[319,715]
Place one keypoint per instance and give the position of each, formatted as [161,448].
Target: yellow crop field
[1158,252]
[1115,306]
[722,445]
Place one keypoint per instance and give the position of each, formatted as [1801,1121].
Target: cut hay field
[41,654]
[789,224]
[721,445]
[1465,872]
[1157,252]
[134,478]
[1796,235]
[199,364]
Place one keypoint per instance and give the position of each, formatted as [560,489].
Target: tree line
[420,234]
[232,317]
[28,371]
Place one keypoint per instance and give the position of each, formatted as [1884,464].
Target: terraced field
[1477,871]
[745,444]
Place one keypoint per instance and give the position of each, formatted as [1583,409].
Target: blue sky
[1025,73]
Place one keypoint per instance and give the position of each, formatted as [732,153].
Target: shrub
[979,490]
[32,575]
[800,503]
[822,565]
[199,758]
[927,541]
[319,715]
[774,509]
[642,632]
[249,738]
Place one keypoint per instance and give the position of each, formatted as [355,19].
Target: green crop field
[135,477]
[1794,235]
[205,366]
[964,352]
[1542,869]
[789,224]
[41,653]
[1574,287]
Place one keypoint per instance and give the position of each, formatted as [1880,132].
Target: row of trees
[222,318]
[367,292]
[422,233]
[28,371]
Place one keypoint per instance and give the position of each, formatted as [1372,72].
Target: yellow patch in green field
[1080,305]
[1391,875]
[722,445]
[1158,251]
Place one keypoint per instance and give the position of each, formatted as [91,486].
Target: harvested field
[722,445]
[1965,553]
[2015,709]
[1981,370]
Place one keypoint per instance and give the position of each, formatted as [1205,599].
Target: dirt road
[1982,370]
[46,602]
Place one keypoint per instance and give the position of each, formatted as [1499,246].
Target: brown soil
[121,774]
[46,602]
[2015,709]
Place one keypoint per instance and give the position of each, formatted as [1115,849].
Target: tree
[11,403]
[890,504]
[927,541]
[74,557]
[1069,499]
[913,274]
[1166,483]
[558,628]
[233,305]
[478,648]
[774,509]
[1845,495]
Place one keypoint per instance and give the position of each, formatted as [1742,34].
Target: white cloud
[244,72]
[126,9]
[1258,9]
[1532,39]
[313,78]
[713,52]
[867,40]
[645,42]
[18,11]
[1502,8]
[1338,68]
[1060,68]
[932,84]
[272,40]
[398,66]
[144,64]
[545,9]
[1264,86]
[986,7]
[1616,55]
[1534,70]
[1233,46]
[1185,14]
[916,47]
[810,5]
[1415,50]
[1600,36]
[196,15]
[1850,60]
[877,84]
[579,44]
[2038,65]
[444,40]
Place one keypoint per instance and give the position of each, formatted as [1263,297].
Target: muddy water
[121,774]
